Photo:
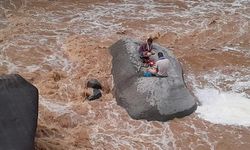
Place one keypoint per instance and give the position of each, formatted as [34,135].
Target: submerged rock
[18,113]
[94,83]
[150,98]
[96,86]
[96,94]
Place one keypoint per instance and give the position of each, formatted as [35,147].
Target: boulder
[150,98]
[96,94]
[94,83]
[18,113]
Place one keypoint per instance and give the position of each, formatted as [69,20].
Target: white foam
[58,108]
[32,68]
[226,48]
[235,81]
[223,107]
[57,60]
[241,86]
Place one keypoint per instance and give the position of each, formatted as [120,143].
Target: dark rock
[18,113]
[150,98]
[93,83]
[96,94]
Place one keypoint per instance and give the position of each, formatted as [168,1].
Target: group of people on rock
[155,67]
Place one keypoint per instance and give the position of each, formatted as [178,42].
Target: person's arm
[151,47]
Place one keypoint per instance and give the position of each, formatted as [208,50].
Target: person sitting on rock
[161,66]
[145,50]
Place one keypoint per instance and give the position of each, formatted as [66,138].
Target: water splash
[223,107]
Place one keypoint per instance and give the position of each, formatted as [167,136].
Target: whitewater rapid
[59,45]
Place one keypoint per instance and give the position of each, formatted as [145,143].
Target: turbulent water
[59,44]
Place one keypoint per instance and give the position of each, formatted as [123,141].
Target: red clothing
[145,48]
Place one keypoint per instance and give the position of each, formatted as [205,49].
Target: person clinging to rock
[161,66]
[145,50]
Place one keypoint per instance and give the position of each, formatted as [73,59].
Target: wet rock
[149,98]
[96,94]
[94,83]
[19,111]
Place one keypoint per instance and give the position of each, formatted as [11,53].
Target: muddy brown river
[59,44]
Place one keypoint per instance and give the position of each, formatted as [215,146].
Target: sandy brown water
[59,44]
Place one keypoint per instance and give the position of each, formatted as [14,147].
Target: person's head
[150,41]
[160,55]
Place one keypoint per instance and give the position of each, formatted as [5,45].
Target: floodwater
[59,44]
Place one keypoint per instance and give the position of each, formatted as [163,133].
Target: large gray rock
[150,98]
[18,113]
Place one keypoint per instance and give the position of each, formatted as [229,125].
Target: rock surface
[150,98]
[19,112]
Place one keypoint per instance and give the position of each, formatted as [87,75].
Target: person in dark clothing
[145,50]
